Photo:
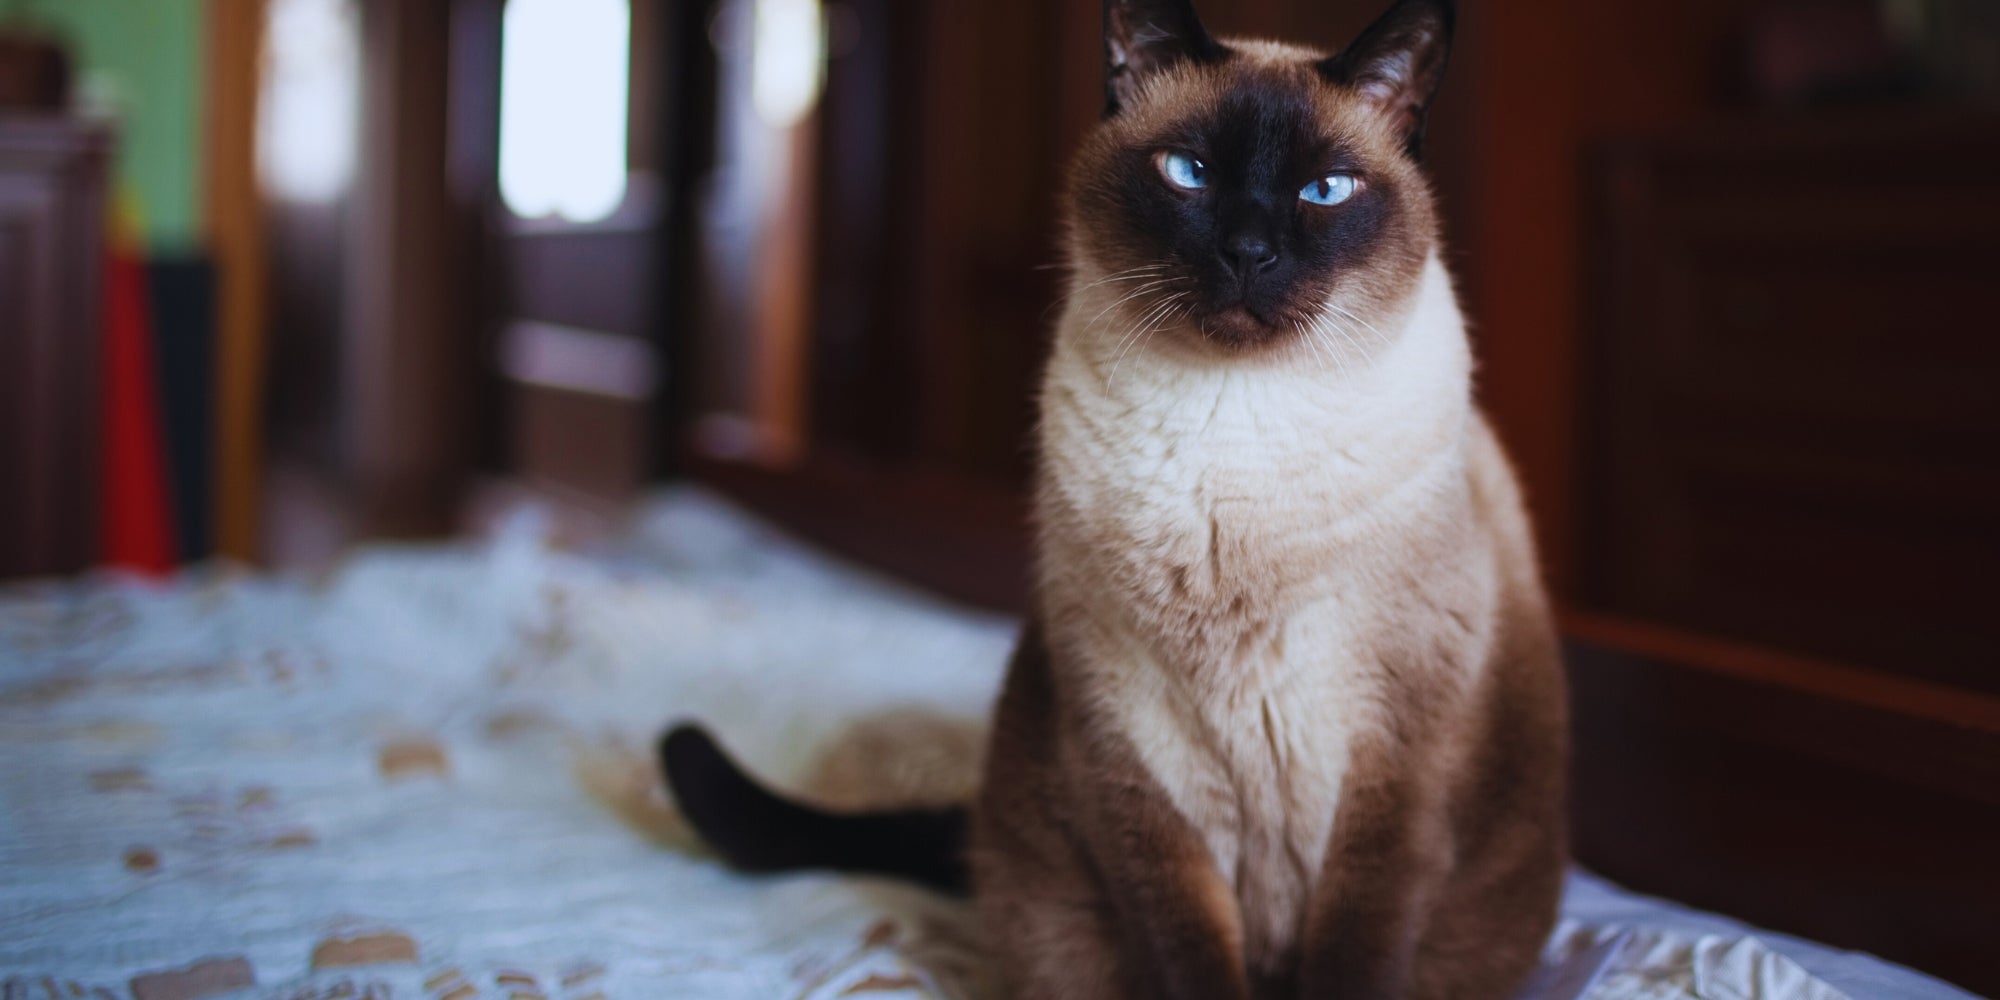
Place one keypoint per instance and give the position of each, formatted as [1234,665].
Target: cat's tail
[757,830]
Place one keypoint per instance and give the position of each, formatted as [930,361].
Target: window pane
[306,120]
[564,81]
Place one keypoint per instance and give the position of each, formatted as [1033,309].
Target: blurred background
[279,276]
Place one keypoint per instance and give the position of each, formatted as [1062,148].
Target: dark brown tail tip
[757,830]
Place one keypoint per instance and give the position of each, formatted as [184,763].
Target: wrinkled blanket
[426,772]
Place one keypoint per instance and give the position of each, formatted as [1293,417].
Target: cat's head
[1244,192]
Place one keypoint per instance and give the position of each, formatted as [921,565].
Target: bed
[425,772]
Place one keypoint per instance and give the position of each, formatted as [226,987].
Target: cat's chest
[1202,502]
[1254,756]
[1229,558]
[1244,607]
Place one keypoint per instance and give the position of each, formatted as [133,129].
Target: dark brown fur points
[1269,127]
[1098,888]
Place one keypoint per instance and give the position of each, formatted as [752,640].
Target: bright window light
[306,119]
[787,60]
[564,82]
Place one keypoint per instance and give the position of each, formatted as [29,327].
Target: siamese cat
[1288,719]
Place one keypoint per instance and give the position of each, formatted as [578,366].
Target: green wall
[145,56]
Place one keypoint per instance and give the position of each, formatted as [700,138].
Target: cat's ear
[1398,62]
[1143,37]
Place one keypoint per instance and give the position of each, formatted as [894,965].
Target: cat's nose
[1248,255]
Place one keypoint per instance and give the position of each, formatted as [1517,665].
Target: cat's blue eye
[1330,190]
[1183,171]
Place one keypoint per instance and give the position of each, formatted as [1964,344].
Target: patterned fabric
[427,773]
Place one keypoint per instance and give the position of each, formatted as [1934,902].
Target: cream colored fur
[1235,550]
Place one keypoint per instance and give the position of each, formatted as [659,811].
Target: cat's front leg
[1387,857]
[1177,921]
[1090,885]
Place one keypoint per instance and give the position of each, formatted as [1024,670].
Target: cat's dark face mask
[1258,206]
[1247,190]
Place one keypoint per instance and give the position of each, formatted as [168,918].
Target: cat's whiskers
[1180,316]
[1318,338]
[1357,320]
[1148,324]
[1129,296]
[1330,321]
[1156,321]
[1129,274]
[1308,333]
[1324,327]
[1126,273]
[1347,334]
[1125,341]
[1143,271]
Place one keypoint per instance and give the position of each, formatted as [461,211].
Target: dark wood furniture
[52,248]
[1792,431]
[35,71]
[1789,467]
[1833,803]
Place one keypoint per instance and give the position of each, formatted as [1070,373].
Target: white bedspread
[427,773]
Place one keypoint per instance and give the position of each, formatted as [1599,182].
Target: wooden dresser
[1792,389]
[52,245]
[1787,671]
